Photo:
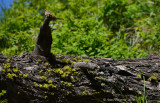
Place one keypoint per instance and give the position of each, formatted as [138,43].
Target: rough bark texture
[72,79]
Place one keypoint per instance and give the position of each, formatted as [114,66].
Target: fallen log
[73,79]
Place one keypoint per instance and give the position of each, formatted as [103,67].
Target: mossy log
[73,79]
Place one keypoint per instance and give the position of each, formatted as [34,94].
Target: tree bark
[73,79]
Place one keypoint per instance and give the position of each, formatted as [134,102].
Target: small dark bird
[44,39]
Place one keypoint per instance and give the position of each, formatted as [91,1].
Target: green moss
[73,79]
[8,60]
[92,72]
[20,75]
[78,59]
[68,84]
[25,75]
[139,75]
[40,85]
[58,71]
[153,78]
[47,72]
[52,93]
[67,68]
[46,64]
[11,76]
[35,84]
[38,61]
[46,97]
[3,71]
[46,86]
[97,77]
[50,81]
[103,79]
[15,70]
[52,86]
[103,84]
[68,61]
[86,92]
[41,71]
[43,78]
[86,60]
[7,65]
[18,92]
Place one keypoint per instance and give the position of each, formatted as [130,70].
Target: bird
[44,39]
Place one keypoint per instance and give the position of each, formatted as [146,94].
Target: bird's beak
[59,19]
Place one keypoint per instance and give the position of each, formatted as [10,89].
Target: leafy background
[99,28]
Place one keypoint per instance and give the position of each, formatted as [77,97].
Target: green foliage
[106,28]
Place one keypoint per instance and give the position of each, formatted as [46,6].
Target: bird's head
[50,17]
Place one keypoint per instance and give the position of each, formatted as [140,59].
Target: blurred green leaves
[102,28]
